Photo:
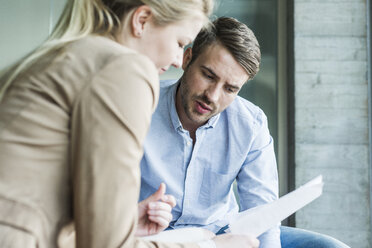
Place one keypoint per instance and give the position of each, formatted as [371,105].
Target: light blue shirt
[233,145]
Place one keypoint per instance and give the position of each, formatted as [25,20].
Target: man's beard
[188,101]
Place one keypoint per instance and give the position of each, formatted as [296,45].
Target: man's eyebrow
[210,71]
[216,76]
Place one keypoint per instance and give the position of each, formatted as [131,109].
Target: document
[254,221]
[182,235]
[261,218]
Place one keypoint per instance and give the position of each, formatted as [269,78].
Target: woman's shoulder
[96,52]
[95,44]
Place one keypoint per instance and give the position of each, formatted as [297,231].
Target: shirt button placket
[186,201]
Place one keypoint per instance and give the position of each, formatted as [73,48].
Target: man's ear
[140,17]
[187,56]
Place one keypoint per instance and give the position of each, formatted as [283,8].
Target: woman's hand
[154,213]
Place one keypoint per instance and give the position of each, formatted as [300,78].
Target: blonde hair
[81,18]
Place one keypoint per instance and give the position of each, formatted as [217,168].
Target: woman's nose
[178,59]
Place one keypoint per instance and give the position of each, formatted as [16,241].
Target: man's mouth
[202,108]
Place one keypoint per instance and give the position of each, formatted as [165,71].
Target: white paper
[182,235]
[256,221]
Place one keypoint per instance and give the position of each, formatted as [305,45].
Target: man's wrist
[207,244]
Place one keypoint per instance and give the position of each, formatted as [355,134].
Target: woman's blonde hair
[103,17]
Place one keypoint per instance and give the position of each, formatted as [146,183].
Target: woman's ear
[139,18]
[187,56]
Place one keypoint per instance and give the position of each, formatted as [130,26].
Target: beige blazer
[71,133]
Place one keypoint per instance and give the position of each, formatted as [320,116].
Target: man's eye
[230,90]
[207,75]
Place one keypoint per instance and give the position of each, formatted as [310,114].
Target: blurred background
[313,84]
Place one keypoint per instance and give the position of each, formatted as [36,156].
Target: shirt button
[188,143]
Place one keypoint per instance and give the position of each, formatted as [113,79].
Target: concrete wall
[331,116]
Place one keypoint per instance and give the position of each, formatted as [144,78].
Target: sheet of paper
[254,221]
[261,218]
[182,235]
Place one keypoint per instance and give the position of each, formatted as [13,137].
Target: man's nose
[213,93]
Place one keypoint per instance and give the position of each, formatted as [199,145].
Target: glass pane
[56,7]
[24,24]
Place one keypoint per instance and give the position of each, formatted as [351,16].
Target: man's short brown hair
[236,37]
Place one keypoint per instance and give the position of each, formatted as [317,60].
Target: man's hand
[154,213]
[233,240]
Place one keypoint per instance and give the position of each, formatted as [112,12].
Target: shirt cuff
[207,244]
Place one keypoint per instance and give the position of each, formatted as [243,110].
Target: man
[211,136]
[203,136]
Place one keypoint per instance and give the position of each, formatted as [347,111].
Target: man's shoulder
[166,83]
[166,86]
[245,111]
[166,90]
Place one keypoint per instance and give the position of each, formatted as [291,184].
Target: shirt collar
[211,123]
[172,106]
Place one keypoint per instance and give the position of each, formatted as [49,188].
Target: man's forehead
[217,59]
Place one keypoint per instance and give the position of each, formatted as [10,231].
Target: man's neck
[185,122]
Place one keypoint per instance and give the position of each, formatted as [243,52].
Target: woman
[73,116]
